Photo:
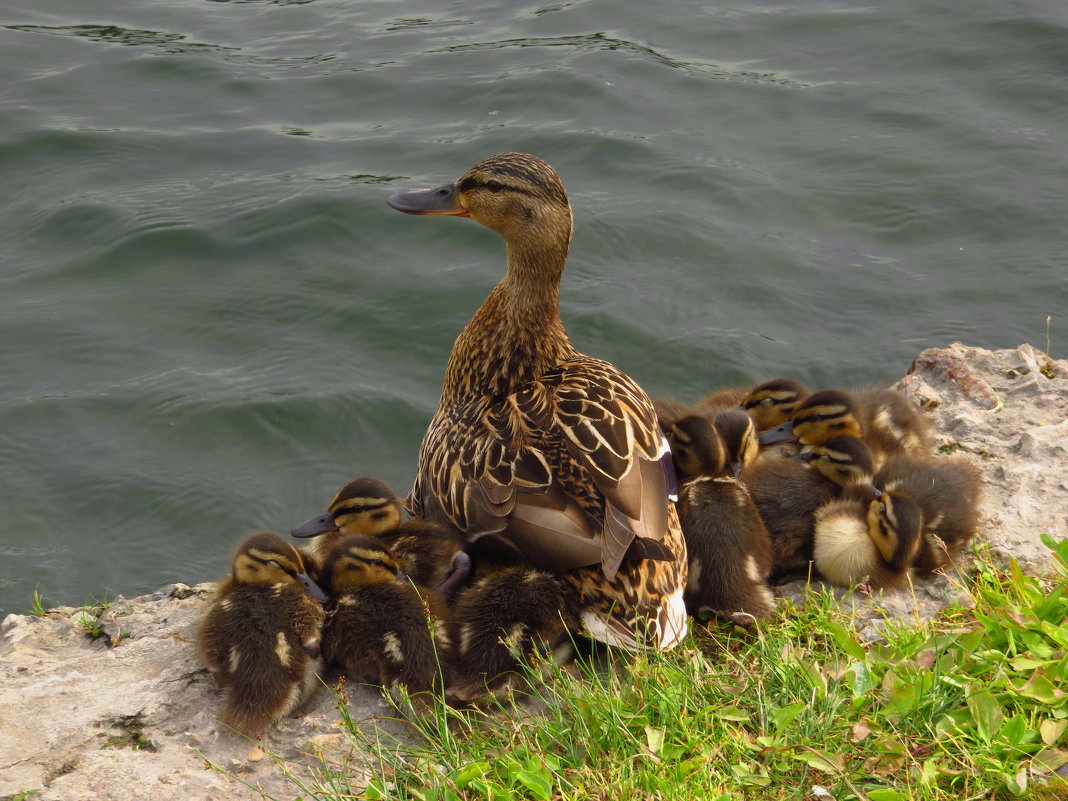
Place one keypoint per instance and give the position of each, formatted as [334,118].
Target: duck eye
[494,186]
[274,564]
[378,562]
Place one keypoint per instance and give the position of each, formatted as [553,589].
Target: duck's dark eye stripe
[360,508]
[467,184]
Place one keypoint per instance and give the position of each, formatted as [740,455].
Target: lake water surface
[210,319]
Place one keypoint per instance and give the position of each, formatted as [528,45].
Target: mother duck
[557,451]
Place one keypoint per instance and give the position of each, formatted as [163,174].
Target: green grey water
[210,319]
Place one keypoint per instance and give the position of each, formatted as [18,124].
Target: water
[209,318]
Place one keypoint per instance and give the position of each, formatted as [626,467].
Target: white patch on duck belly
[844,552]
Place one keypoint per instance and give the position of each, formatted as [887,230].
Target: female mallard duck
[558,451]
[885,419]
[382,629]
[261,635]
[947,489]
[431,554]
[728,545]
[863,540]
[787,492]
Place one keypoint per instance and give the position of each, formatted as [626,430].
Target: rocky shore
[111,704]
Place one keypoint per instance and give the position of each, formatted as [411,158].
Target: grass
[971,705]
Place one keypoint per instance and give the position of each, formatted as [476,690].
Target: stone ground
[73,708]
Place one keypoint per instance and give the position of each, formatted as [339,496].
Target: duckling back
[503,617]
[381,628]
[892,424]
[261,635]
[729,550]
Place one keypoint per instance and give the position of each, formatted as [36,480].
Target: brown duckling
[861,540]
[381,628]
[773,403]
[885,419]
[429,553]
[741,446]
[502,617]
[787,492]
[948,491]
[728,545]
[261,635]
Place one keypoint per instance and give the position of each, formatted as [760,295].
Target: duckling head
[357,560]
[268,559]
[843,459]
[818,418]
[515,194]
[773,403]
[895,522]
[364,506]
[738,434]
[696,448]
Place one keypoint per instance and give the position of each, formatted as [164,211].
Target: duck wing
[572,465]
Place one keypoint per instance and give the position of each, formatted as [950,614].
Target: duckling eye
[494,186]
[378,562]
[274,564]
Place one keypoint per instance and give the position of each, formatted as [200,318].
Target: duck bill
[442,200]
[783,433]
[323,524]
[313,589]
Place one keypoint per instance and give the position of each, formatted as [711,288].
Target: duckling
[728,545]
[559,452]
[379,624]
[670,410]
[948,490]
[773,403]
[500,618]
[885,419]
[858,539]
[787,492]
[696,448]
[429,553]
[741,446]
[261,635]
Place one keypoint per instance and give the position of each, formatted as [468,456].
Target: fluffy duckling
[727,543]
[429,553]
[502,617]
[773,403]
[741,446]
[261,635]
[787,492]
[703,447]
[379,624]
[885,419]
[858,539]
[947,490]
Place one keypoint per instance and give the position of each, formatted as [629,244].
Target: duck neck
[516,335]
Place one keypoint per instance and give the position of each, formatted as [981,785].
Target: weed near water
[971,705]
